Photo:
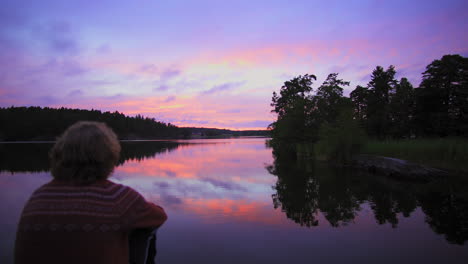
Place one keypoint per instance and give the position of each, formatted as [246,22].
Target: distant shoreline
[134,140]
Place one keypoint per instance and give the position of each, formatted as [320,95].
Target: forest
[36,123]
[45,124]
[327,123]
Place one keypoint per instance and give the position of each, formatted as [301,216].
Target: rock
[397,168]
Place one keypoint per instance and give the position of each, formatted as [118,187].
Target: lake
[232,201]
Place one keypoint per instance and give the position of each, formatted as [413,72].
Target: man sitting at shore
[80,216]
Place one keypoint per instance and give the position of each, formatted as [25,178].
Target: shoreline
[133,140]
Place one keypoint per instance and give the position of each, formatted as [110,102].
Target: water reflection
[24,157]
[221,204]
[33,157]
[216,180]
[447,213]
[304,189]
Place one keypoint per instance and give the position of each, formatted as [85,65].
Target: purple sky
[210,63]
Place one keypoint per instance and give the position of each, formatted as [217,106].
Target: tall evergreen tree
[359,97]
[442,100]
[402,109]
[381,87]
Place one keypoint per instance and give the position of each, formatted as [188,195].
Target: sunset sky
[210,63]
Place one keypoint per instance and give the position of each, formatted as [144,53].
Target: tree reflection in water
[447,213]
[304,188]
[296,193]
[13,156]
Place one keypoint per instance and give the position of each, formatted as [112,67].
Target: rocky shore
[397,168]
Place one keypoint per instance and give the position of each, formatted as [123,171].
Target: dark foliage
[305,118]
[294,106]
[442,98]
[380,90]
[46,124]
[388,108]
[36,123]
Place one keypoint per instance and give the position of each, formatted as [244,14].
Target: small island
[390,120]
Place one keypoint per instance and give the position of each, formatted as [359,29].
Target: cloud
[10,18]
[163,73]
[365,78]
[161,184]
[65,67]
[59,36]
[170,73]
[231,111]
[48,100]
[55,68]
[227,185]
[39,74]
[149,68]
[169,99]
[193,122]
[169,199]
[222,87]
[255,123]
[76,93]
[104,49]
[161,87]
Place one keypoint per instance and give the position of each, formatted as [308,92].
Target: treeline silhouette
[34,157]
[386,108]
[36,123]
[389,108]
[46,124]
[304,189]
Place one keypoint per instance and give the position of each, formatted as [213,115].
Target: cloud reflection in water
[207,180]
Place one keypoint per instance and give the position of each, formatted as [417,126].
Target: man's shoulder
[122,187]
[103,199]
[105,189]
[127,195]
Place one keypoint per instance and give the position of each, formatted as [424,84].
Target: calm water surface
[231,201]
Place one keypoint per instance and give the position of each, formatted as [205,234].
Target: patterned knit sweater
[62,223]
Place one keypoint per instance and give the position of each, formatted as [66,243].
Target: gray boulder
[397,168]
